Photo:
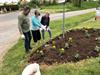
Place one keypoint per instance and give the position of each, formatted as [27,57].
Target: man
[24,27]
[45,20]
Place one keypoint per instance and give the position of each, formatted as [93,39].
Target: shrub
[62,50]
[97,48]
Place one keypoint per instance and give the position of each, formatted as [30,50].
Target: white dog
[32,69]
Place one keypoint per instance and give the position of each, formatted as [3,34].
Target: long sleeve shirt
[23,24]
[45,21]
[36,24]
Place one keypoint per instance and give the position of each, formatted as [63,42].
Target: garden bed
[75,46]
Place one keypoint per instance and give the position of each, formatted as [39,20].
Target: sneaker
[30,47]
[27,51]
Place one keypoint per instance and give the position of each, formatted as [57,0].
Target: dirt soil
[75,46]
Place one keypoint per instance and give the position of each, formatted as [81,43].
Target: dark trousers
[27,41]
[36,35]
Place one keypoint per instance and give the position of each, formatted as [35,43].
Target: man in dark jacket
[45,20]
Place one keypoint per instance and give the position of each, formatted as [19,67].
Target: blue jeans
[27,41]
[43,33]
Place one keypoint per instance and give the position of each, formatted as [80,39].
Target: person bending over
[45,20]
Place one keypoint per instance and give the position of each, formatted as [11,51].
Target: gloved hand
[22,37]
[43,27]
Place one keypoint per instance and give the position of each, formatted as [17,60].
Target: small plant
[41,52]
[94,29]
[67,45]
[68,31]
[46,45]
[53,42]
[98,39]
[70,40]
[87,34]
[97,48]
[62,50]
[37,51]
[83,29]
[54,46]
[59,37]
[77,56]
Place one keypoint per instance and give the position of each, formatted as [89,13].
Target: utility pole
[63,25]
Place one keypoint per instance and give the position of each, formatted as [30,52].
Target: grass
[69,7]
[85,67]
[16,59]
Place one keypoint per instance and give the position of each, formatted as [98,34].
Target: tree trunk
[42,2]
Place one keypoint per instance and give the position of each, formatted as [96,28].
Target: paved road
[9,31]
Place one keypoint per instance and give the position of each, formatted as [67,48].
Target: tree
[54,1]
[42,1]
[99,1]
[77,2]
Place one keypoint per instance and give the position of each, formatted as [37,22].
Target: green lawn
[16,59]
[68,6]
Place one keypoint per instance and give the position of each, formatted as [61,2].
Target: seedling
[97,48]
[70,40]
[68,31]
[98,39]
[62,51]
[53,42]
[54,46]
[59,37]
[87,34]
[37,51]
[46,45]
[77,56]
[66,45]
[83,29]
[94,29]
[41,52]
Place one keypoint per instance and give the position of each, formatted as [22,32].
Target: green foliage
[98,39]
[34,3]
[62,51]
[87,34]
[77,55]
[77,3]
[69,7]
[41,52]
[54,46]
[97,48]
[67,45]
[70,40]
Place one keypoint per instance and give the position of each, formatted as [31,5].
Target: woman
[36,27]
[45,21]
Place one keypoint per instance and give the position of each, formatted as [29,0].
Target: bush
[10,7]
